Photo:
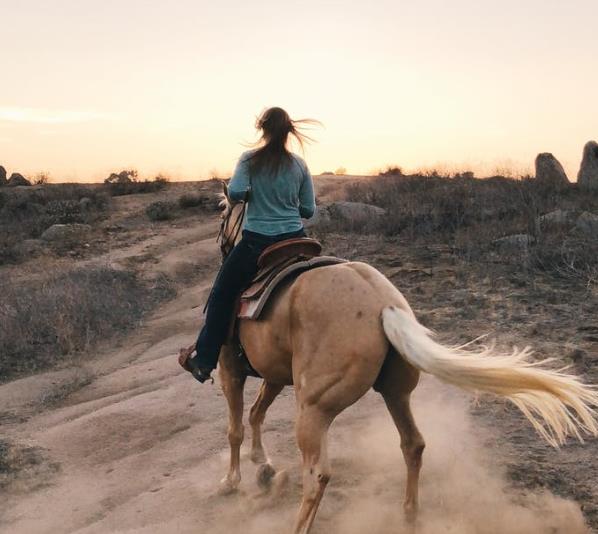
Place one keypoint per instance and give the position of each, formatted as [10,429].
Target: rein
[227,242]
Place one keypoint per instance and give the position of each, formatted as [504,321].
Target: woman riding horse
[278,189]
[336,332]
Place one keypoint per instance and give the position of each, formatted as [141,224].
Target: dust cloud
[463,489]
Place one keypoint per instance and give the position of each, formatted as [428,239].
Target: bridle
[228,239]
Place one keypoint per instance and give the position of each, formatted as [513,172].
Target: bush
[26,213]
[192,200]
[469,214]
[44,320]
[123,177]
[41,178]
[160,211]
[391,171]
[116,189]
[162,179]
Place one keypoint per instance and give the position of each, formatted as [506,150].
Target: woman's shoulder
[247,154]
[300,161]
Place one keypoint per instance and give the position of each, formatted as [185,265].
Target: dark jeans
[235,275]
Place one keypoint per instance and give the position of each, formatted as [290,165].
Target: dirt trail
[141,448]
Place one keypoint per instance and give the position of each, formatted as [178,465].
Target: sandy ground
[141,446]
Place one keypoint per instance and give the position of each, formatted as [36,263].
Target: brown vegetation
[44,320]
[470,215]
[26,213]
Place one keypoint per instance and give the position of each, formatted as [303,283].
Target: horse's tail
[556,403]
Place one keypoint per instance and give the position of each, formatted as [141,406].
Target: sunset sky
[89,87]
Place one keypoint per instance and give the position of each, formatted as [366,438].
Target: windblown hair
[276,126]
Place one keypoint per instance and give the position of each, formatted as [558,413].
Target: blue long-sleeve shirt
[277,201]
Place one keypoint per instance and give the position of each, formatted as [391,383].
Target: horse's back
[324,324]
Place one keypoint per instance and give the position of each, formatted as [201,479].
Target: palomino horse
[335,332]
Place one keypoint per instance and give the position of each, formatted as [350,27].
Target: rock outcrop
[556,218]
[550,172]
[353,212]
[587,177]
[514,243]
[66,233]
[17,179]
[3,180]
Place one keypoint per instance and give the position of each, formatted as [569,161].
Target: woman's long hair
[275,126]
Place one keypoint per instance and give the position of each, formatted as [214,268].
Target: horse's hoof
[410,514]
[265,474]
[227,487]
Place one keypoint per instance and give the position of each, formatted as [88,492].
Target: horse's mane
[224,204]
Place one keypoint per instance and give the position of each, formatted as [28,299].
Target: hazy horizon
[94,87]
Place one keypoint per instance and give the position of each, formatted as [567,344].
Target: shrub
[469,214]
[41,178]
[26,213]
[160,210]
[391,171]
[42,320]
[162,179]
[116,189]
[192,200]
[123,177]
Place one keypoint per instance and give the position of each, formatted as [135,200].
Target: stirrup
[187,363]
[201,376]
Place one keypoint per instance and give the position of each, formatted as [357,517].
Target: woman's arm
[307,199]
[239,183]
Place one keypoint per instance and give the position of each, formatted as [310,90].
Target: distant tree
[41,178]
[123,177]
[162,179]
[391,170]
[341,171]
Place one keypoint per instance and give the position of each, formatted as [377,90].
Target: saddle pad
[254,299]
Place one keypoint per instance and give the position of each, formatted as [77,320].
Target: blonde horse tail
[556,403]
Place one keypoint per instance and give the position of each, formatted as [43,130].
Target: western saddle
[278,263]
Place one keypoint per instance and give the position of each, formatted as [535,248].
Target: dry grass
[469,214]
[44,320]
[26,212]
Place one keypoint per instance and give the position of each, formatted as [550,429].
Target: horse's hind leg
[233,384]
[268,392]
[395,383]
[412,445]
[312,429]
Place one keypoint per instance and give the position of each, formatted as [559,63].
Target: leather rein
[227,242]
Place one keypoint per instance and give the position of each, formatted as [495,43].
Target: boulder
[587,177]
[587,223]
[66,233]
[321,216]
[556,218]
[354,211]
[514,243]
[17,179]
[549,171]
[3,180]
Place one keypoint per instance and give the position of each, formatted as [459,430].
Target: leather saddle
[278,263]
